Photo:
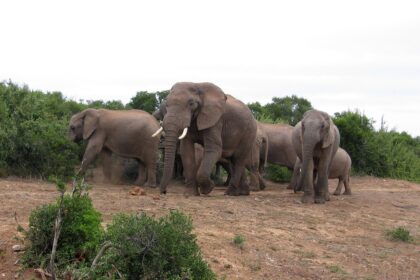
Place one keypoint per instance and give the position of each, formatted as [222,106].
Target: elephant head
[194,106]
[83,125]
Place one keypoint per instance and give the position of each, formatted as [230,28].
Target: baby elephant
[340,169]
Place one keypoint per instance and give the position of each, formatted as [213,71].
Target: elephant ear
[90,122]
[329,136]
[213,102]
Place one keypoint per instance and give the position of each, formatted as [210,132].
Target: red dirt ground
[284,239]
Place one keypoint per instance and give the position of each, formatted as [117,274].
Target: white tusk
[157,132]
[183,133]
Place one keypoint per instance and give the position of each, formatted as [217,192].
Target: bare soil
[284,239]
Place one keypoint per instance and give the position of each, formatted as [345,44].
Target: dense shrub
[81,232]
[379,153]
[277,173]
[148,248]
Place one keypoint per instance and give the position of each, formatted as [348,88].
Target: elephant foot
[244,191]
[191,192]
[347,193]
[150,185]
[232,191]
[307,198]
[337,193]
[207,188]
[255,188]
[327,196]
[262,185]
[320,199]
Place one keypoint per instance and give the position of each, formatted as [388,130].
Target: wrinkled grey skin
[255,162]
[124,133]
[280,146]
[178,168]
[316,140]
[340,169]
[222,124]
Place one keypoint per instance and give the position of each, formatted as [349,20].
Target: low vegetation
[400,234]
[132,246]
[239,241]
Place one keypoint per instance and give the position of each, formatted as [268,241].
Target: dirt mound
[283,239]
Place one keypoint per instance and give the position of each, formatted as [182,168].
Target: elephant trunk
[170,151]
[306,175]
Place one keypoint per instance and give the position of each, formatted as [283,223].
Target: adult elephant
[280,145]
[340,169]
[124,133]
[225,126]
[316,140]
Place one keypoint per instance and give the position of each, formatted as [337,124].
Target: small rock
[18,248]
[3,275]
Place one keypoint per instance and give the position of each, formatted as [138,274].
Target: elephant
[316,140]
[124,133]
[202,113]
[340,169]
[280,146]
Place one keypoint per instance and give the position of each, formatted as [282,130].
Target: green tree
[145,101]
[289,108]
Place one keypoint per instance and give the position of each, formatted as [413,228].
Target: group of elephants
[214,127]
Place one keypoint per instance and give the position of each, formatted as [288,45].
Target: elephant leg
[235,187]
[190,169]
[92,150]
[321,186]
[243,185]
[150,165]
[261,181]
[228,167]
[210,158]
[339,186]
[346,181]
[293,185]
[106,157]
[308,184]
[141,177]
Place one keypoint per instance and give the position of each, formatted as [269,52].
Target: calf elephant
[316,140]
[340,169]
[124,133]
[225,126]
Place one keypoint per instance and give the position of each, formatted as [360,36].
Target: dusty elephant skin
[124,133]
[255,162]
[316,140]
[280,145]
[340,169]
[202,113]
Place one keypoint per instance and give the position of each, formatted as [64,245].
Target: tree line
[34,142]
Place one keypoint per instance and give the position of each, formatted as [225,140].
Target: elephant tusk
[157,132]
[183,133]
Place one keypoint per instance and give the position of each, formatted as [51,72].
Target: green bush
[148,248]
[276,173]
[80,234]
[379,153]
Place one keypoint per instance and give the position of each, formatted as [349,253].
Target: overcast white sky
[337,54]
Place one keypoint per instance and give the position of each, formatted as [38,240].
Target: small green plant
[239,241]
[336,269]
[399,234]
